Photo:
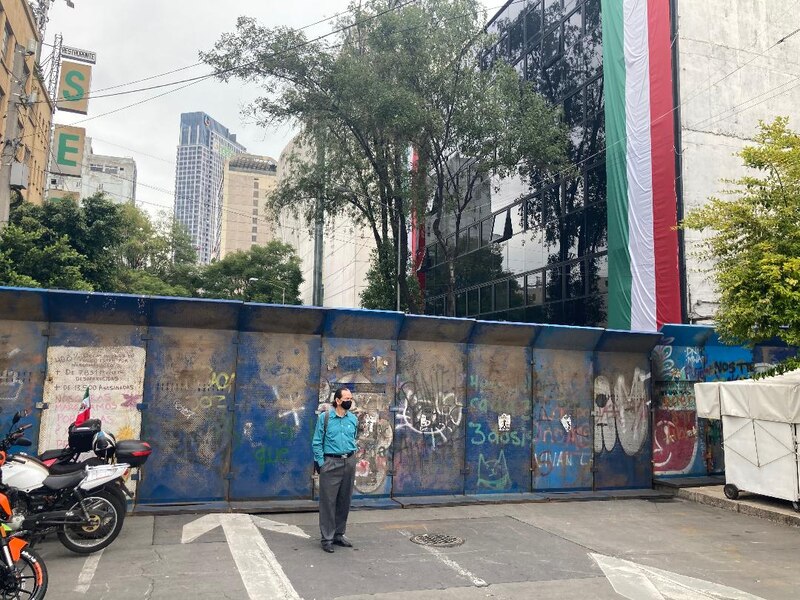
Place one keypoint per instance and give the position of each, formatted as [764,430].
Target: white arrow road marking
[263,523]
[87,572]
[638,582]
[258,567]
[476,581]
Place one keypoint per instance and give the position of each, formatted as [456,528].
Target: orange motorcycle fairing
[15,546]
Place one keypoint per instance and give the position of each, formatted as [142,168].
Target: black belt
[348,455]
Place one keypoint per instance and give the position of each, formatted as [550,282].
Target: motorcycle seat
[60,482]
[66,468]
[57,453]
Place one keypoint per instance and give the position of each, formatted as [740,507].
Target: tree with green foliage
[269,274]
[754,241]
[400,75]
[155,258]
[95,245]
[380,292]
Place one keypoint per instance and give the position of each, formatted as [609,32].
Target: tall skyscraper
[204,146]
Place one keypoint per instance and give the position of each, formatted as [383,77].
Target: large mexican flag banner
[643,273]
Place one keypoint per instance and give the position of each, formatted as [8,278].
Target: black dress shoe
[327,547]
[343,541]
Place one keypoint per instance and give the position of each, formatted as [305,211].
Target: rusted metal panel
[367,366]
[22,371]
[562,419]
[498,445]
[188,394]
[622,402]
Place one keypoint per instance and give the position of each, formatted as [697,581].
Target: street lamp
[283,289]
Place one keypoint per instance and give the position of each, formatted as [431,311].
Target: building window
[255,229]
[255,211]
[255,220]
[254,238]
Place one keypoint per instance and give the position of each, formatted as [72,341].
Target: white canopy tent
[760,428]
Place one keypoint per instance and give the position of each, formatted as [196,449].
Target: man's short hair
[337,395]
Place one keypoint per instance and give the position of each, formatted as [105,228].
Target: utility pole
[11,136]
[317,297]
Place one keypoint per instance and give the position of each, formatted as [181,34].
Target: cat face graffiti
[493,474]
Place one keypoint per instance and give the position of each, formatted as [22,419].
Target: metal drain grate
[439,540]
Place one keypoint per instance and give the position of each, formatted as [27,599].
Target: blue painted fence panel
[562,420]
[499,420]
[189,382]
[277,379]
[23,350]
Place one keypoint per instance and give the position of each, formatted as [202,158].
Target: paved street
[599,550]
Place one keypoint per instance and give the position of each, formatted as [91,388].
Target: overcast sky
[135,39]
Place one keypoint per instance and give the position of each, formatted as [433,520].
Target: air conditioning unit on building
[19,176]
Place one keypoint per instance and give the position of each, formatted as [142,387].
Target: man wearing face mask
[336,457]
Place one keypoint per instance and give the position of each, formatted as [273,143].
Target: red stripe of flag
[665,237]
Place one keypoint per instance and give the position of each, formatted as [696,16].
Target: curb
[740,506]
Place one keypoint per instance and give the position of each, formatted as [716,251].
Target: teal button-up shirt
[340,438]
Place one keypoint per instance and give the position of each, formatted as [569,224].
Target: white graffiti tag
[622,413]
[438,416]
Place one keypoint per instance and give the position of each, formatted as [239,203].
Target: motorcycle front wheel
[28,581]
[105,523]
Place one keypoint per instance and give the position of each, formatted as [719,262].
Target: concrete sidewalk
[764,507]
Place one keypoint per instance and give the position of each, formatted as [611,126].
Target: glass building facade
[536,251]
[204,145]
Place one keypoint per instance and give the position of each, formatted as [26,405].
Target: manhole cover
[437,539]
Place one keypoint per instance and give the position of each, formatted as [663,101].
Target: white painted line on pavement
[261,573]
[640,582]
[87,572]
[476,581]
[263,523]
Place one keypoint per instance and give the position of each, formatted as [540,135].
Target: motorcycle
[22,571]
[82,439]
[79,507]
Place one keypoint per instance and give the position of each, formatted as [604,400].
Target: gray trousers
[336,478]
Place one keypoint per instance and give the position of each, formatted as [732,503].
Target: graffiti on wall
[493,474]
[674,363]
[114,376]
[198,399]
[676,437]
[431,408]
[621,412]
[562,446]
[361,374]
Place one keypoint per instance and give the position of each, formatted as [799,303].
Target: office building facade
[346,250]
[114,176]
[247,180]
[204,145]
[634,79]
